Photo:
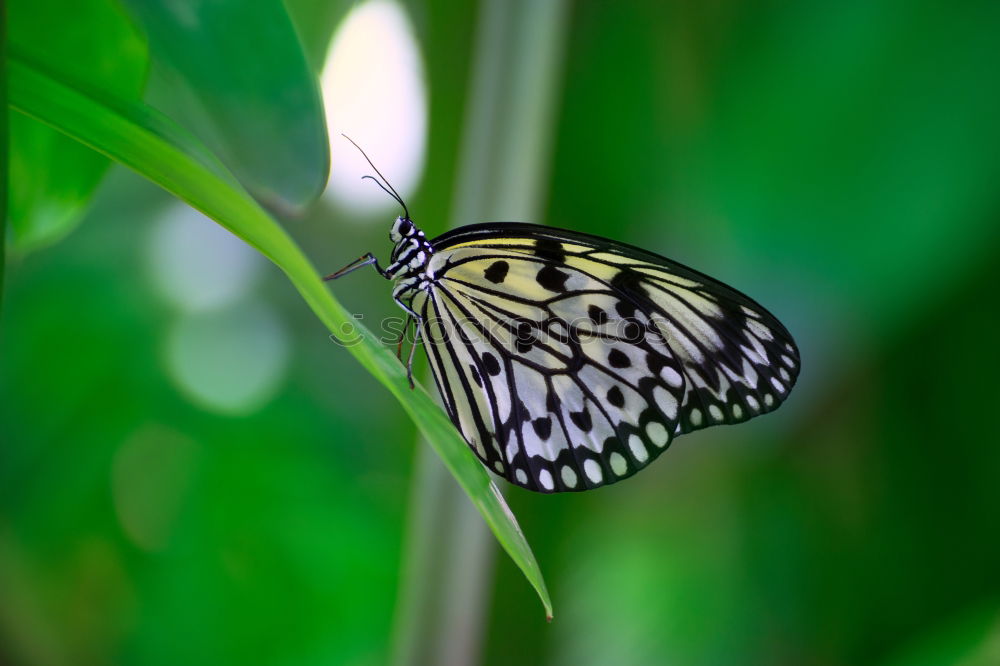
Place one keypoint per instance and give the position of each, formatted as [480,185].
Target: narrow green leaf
[141,139]
[53,177]
[236,77]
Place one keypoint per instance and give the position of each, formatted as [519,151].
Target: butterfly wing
[569,361]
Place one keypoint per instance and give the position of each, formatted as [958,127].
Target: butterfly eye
[405,227]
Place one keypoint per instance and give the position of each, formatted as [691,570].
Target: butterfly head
[402,229]
[411,248]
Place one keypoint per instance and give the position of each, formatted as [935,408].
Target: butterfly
[569,361]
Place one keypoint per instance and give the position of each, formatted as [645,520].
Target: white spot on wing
[637,448]
[593,471]
[695,417]
[657,433]
[512,447]
[618,464]
[676,335]
[749,374]
[758,329]
[753,355]
[545,479]
[666,402]
[568,476]
[671,376]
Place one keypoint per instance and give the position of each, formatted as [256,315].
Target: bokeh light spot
[231,360]
[195,264]
[374,92]
[149,475]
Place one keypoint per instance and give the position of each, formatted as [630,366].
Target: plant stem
[4,147]
[449,555]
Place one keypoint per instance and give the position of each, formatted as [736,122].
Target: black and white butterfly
[569,361]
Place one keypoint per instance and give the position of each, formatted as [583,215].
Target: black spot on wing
[616,397]
[629,284]
[655,362]
[552,278]
[497,272]
[597,315]
[550,249]
[524,338]
[582,420]
[633,332]
[625,309]
[618,359]
[491,364]
[543,427]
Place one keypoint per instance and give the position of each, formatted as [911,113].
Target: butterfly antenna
[391,191]
[391,194]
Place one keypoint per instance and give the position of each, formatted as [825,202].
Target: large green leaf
[145,141]
[52,176]
[248,93]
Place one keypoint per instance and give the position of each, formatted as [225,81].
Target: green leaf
[315,22]
[248,93]
[140,138]
[51,176]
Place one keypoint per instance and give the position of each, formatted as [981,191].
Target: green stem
[448,561]
[4,147]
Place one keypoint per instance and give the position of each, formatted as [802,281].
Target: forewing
[737,359]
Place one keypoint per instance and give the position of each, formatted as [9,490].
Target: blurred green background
[192,473]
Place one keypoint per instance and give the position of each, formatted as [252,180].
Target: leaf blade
[249,94]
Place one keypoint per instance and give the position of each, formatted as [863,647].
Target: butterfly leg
[413,349]
[402,336]
[364,260]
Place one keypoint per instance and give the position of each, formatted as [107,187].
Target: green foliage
[150,144]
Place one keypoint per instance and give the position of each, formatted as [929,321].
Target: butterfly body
[410,256]
[569,361]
